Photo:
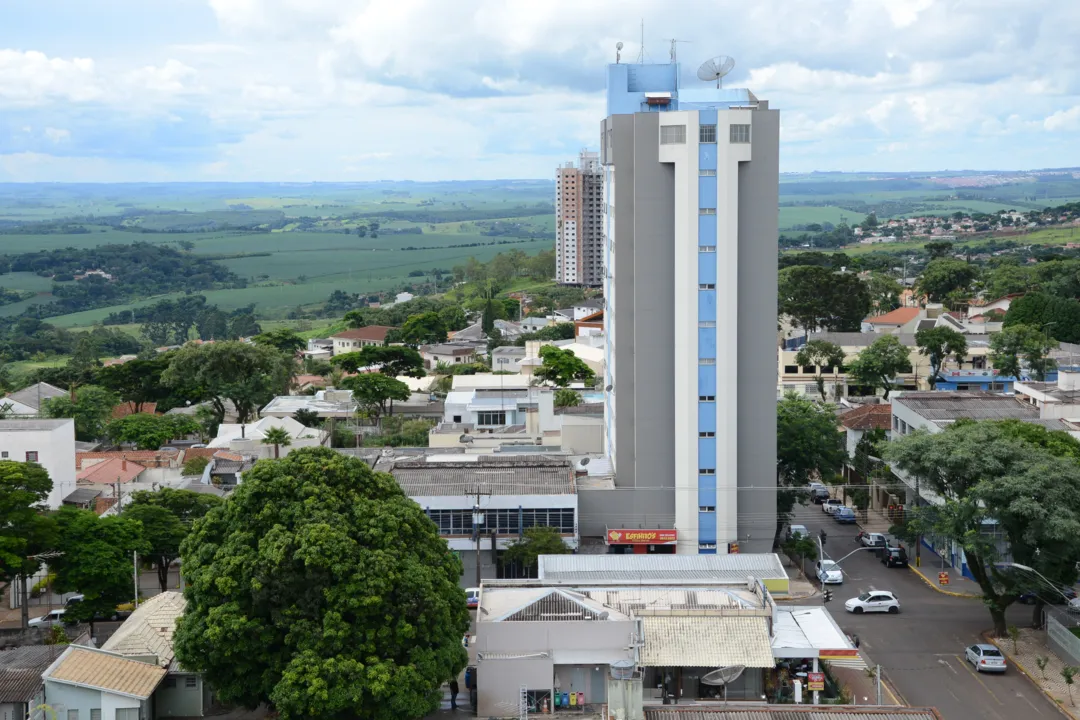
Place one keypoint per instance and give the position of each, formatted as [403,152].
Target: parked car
[832,505]
[876,540]
[874,601]
[818,493]
[472,597]
[894,557]
[49,619]
[844,516]
[1058,596]
[798,530]
[829,573]
[985,658]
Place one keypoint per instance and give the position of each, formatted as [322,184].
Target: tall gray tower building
[691,181]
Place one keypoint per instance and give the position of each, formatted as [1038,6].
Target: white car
[831,505]
[798,530]
[829,573]
[49,619]
[874,540]
[873,601]
[985,658]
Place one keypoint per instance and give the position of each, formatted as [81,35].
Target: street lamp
[1054,585]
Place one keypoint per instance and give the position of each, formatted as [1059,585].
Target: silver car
[985,658]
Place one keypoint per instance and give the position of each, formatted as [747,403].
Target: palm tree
[277,437]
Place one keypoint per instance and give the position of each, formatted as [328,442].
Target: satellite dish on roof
[715,69]
[618,51]
[724,675]
[466,438]
[585,461]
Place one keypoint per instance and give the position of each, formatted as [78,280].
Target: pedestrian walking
[453,694]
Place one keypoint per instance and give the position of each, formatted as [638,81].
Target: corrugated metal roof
[640,600]
[107,671]
[149,630]
[706,641]
[489,474]
[947,406]
[731,568]
[898,713]
[21,668]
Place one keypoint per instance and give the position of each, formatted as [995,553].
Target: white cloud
[57,135]
[1063,120]
[31,78]
[171,78]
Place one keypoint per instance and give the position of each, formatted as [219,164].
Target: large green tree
[535,541]
[1019,344]
[136,381]
[25,529]
[945,275]
[992,481]
[884,292]
[97,560]
[426,328]
[809,446]
[375,393]
[562,367]
[1057,317]
[817,298]
[321,589]
[247,375]
[879,363]
[823,356]
[91,408]
[392,360]
[187,505]
[938,344]
[163,532]
[283,340]
[149,432]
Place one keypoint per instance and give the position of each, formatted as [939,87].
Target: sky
[360,90]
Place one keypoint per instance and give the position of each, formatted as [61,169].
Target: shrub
[196,465]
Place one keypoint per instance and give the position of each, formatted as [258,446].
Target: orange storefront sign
[641,537]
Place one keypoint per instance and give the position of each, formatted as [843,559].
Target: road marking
[946,664]
[980,680]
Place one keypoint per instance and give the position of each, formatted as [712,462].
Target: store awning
[706,641]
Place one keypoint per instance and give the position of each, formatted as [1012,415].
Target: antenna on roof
[713,68]
[641,51]
[673,42]
[618,49]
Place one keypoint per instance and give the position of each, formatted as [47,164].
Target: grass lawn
[807,214]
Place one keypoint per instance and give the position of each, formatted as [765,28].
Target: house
[167,458]
[109,471]
[898,320]
[50,444]
[21,686]
[320,348]
[246,440]
[225,470]
[352,340]
[148,633]
[532,324]
[590,325]
[1054,399]
[856,423]
[475,333]
[326,403]
[84,498]
[507,358]
[519,491]
[592,356]
[490,381]
[933,411]
[30,400]
[580,310]
[85,683]
[447,354]
[192,410]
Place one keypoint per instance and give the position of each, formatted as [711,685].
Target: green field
[808,214]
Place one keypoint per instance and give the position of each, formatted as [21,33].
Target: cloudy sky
[143,90]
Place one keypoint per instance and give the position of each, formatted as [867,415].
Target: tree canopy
[878,364]
[1016,345]
[392,360]
[823,356]
[163,532]
[817,298]
[943,276]
[535,541]
[247,375]
[320,588]
[375,393]
[426,328]
[136,381]
[561,367]
[91,409]
[149,432]
[24,528]
[938,344]
[1056,317]
[283,340]
[808,446]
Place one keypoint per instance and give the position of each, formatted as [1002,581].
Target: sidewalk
[863,687]
[1030,646]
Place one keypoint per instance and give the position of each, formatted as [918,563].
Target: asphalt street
[921,650]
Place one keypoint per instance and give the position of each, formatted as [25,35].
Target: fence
[1064,644]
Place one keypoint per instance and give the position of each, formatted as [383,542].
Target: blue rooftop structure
[633,88]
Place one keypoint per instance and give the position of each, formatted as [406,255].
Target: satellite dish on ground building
[723,676]
[715,69]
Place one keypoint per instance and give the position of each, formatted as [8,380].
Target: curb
[934,587]
[1031,678]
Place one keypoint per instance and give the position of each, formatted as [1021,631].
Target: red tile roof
[110,471]
[199,452]
[899,316]
[128,408]
[226,455]
[868,417]
[373,333]
[149,458]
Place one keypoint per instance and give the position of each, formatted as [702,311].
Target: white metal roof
[807,631]
[706,641]
[661,569]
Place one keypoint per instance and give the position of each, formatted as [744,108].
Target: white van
[472,597]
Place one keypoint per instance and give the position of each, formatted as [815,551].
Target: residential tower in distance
[579,241]
[690,180]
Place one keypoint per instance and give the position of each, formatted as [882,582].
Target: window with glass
[672,134]
[707,211]
[489,417]
[707,173]
[740,133]
[707,133]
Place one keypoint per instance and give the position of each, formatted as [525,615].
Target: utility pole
[878,684]
[918,538]
[135,557]
[478,520]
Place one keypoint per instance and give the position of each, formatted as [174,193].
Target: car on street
[829,573]
[818,493]
[874,540]
[832,505]
[985,658]
[472,598]
[798,530]
[48,620]
[1053,596]
[844,516]
[894,557]
[873,601]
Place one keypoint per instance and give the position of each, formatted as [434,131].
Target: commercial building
[691,180]
[579,241]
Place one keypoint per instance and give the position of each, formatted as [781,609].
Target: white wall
[53,441]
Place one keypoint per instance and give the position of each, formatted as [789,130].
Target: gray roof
[584,409]
[1052,389]
[949,406]
[515,350]
[789,712]
[448,349]
[21,668]
[83,496]
[652,569]
[32,424]
[36,394]
[489,474]
[860,339]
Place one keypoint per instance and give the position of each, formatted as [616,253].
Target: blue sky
[130,90]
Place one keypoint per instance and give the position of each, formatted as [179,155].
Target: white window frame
[739,133]
[706,133]
[706,211]
[672,134]
[706,173]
